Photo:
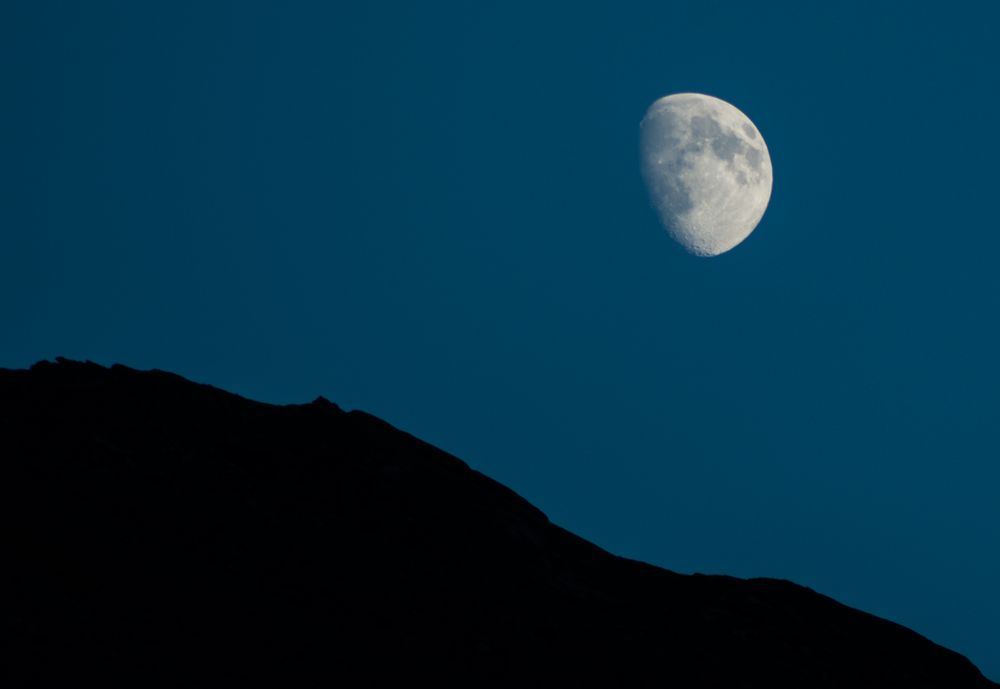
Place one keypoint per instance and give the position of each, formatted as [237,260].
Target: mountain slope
[158,531]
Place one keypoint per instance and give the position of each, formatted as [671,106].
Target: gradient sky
[433,212]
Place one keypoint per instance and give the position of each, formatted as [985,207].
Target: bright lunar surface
[707,170]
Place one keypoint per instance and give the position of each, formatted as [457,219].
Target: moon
[707,170]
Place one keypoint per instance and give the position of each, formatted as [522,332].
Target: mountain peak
[161,530]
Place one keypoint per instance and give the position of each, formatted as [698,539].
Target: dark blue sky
[434,212]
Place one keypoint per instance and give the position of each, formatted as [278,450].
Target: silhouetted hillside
[157,532]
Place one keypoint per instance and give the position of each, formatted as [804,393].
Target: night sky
[434,212]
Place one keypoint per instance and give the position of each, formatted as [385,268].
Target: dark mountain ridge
[158,532]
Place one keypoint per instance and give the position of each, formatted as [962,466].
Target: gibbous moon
[707,170]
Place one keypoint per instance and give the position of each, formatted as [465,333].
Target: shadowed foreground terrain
[157,532]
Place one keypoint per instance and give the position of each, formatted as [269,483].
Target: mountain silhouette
[159,532]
